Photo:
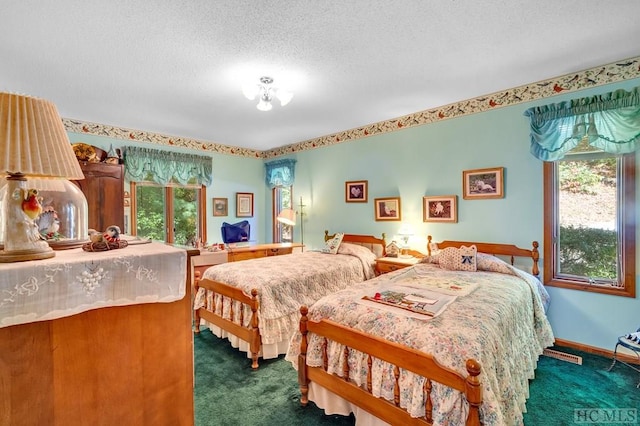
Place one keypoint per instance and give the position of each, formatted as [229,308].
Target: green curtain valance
[610,122]
[280,173]
[164,166]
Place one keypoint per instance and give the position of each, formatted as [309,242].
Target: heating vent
[574,359]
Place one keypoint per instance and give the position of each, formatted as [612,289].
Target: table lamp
[33,144]
[405,233]
[288,217]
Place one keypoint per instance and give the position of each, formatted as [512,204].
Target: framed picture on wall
[483,183]
[387,209]
[220,206]
[442,208]
[355,191]
[244,204]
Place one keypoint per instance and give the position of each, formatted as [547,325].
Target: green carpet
[228,392]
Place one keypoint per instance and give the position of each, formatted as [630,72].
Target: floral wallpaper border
[605,74]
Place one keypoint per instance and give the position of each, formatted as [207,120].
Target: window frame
[626,237]
[169,216]
[276,208]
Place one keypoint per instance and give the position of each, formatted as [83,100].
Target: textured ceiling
[177,68]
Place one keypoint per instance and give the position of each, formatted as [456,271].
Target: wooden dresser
[240,252]
[119,365]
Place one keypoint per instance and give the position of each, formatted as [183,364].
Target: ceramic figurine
[392,249]
[112,234]
[31,204]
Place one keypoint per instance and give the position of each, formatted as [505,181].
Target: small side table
[390,264]
[632,346]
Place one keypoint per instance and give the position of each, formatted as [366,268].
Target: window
[589,225]
[282,196]
[155,207]
[168,194]
[589,147]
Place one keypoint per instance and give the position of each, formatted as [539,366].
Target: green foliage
[150,212]
[588,252]
[583,176]
[578,177]
[185,205]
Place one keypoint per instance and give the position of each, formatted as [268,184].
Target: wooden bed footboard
[250,334]
[401,357]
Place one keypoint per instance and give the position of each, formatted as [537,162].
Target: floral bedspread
[285,283]
[501,323]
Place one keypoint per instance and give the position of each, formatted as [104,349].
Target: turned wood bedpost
[196,312]
[536,256]
[254,344]
[473,392]
[303,380]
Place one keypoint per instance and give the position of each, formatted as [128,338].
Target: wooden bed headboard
[377,245]
[495,249]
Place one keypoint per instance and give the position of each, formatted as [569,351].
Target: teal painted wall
[428,160]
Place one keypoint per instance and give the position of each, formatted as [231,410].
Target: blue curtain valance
[280,173]
[162,166]
[609,122]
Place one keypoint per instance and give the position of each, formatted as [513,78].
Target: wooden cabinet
[238,253]
[390,264]
[103,186]
[122,365]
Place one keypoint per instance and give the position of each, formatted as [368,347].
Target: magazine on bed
[422,302]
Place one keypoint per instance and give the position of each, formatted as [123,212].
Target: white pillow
[358,251]
[332,245]
[459,259]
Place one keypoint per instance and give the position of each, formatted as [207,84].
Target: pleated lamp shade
[33,141]
[287,216]
[33,144]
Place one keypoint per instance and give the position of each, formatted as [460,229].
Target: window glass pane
[186,207]
[282,200]
[150,212]
[587,232]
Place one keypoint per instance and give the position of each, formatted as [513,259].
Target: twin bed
[255,303]
[431,344]
[458,347]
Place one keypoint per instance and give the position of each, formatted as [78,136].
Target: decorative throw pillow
[459,259]
[332,245]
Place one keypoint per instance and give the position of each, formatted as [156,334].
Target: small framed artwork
[387,209]
[440,209]
[483,183]
[244,204]
[220,206]
[355,191]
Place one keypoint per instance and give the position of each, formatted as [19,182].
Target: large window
[590,221]
[168,194]
[173,213]
[282,196]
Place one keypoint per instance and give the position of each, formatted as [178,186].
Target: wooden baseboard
[597,351]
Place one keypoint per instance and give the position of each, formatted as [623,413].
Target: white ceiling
[177,67]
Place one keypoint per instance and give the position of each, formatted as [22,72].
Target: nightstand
[390,264]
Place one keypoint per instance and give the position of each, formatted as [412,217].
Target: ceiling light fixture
[266,92]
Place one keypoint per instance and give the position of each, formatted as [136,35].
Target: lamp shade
[287,216]
[33,144]
[33,141]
